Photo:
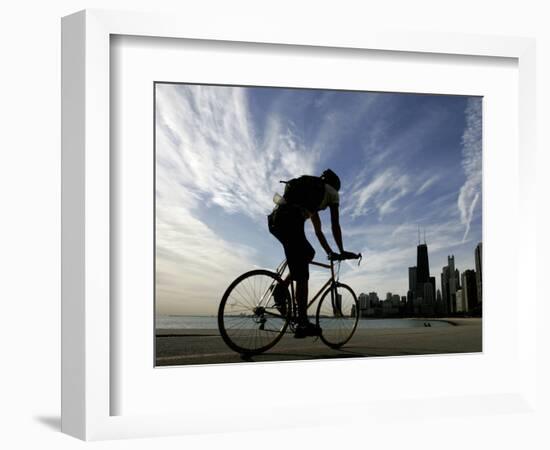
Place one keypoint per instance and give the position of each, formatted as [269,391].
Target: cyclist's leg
[280,226]
[299,253]
[288,228]
[286,223]
[301,260]
[302,255]
[301,300]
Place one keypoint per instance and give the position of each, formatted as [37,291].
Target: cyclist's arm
[316,221]
[336,230]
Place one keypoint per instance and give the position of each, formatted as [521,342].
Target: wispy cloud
[338,124]
[216,153]
[381,194]
[396,157]
[470,191]
[427,184]
[208,154]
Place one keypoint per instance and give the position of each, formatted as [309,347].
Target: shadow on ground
[52,422]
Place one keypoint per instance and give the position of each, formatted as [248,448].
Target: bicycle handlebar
[348,255]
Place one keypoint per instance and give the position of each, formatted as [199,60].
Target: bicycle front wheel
[249,319]
[337,315]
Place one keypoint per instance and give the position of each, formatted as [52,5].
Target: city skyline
[435,276]
[406,161]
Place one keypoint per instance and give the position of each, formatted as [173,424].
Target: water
[211,322]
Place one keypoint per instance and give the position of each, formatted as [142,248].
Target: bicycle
[251,322]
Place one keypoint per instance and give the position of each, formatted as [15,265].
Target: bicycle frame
[331,281]
[261,309]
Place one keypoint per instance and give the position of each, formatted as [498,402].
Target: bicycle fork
[336,301]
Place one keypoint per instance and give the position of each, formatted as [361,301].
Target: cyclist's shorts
[286,223]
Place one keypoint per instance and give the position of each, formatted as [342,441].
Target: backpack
[306,191]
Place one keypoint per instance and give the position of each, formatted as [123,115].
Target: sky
[406,161]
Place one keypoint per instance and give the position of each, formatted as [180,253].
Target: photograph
[299,223]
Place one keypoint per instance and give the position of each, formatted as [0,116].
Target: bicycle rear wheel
[337,315]
[249,320]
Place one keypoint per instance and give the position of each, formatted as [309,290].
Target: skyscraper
[363,301]
[421,285]
[445,301]
[422,269]
[439,303]
[469,288]
[432,282]
[411,293]
[460,302]
[428,303]
[373,297]
[479,273]
[450,283]
[412,278]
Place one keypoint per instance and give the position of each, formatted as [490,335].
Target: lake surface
[211,322]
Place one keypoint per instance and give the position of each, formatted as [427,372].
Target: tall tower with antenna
[422,266]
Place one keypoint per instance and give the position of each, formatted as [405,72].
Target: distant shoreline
[451,320]
[195,332]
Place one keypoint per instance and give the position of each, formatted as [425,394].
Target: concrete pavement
[184,347]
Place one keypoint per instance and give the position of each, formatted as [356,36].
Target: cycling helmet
[331,178]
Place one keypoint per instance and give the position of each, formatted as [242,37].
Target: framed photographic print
[405,191]
[178,234]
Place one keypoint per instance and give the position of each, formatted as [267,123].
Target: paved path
[182,347]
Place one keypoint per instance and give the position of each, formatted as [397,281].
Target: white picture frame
[87,325]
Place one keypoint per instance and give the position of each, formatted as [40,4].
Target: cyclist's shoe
[307,329]
[279,296]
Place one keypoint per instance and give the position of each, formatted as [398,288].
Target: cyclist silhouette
[303,198]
